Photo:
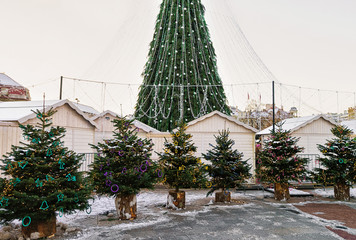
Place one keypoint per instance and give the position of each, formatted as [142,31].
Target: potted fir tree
[278,163]
[43,178]
[227,169]
[338,163]
[122,167]
[181,168]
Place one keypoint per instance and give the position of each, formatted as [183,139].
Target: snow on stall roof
[14,111]
[216,112]
[293,124]
[6,80]
[136,123]
[329,192]
[86,108]
[21,111]
[103,114]
[350,124]
[145,127]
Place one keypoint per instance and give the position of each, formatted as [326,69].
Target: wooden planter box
[223,196]
[178,199]
[342,192]
[281,191]
[126,206]
[44,227]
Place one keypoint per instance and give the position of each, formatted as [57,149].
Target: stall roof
[294,124]
[230,118]
[86,108]
[22,111]
[137,123]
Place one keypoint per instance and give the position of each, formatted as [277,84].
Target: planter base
[342,192]
[176,198]
[223,196]
[281,191]
[126,206]
[45,228]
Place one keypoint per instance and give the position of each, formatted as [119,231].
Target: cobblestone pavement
[256,219]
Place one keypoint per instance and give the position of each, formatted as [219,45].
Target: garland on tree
[227,169]
[44,176]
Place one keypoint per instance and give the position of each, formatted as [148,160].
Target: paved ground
[255,219]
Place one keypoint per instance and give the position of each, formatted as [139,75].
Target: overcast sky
[311,43]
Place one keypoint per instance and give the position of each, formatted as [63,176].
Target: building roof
[145,127]
[294,124]
[86,108]
[350,124]
[6,80]
[230,118]
[137,123]
[103,114]
[22,111]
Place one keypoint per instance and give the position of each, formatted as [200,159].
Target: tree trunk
[342,191]
[223,196]
[281,191]
[44,227]
[126,206]
[176,199]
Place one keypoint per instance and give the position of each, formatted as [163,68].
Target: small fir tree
[181,168]
[227,169]
[338,166]
[123,166]
[43,178]
[278,163]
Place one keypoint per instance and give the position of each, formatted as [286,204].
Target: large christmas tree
[181,79]
[43,178]
[338,163]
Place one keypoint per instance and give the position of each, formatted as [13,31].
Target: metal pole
[60,88]
[273,107]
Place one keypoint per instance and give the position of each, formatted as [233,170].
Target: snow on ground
[149,214]
[293,191]
[329,192]
[101,205]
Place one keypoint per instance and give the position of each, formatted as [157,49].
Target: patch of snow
[293,191]
[93,233]
[191,213]
[329,192]
[235,206]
